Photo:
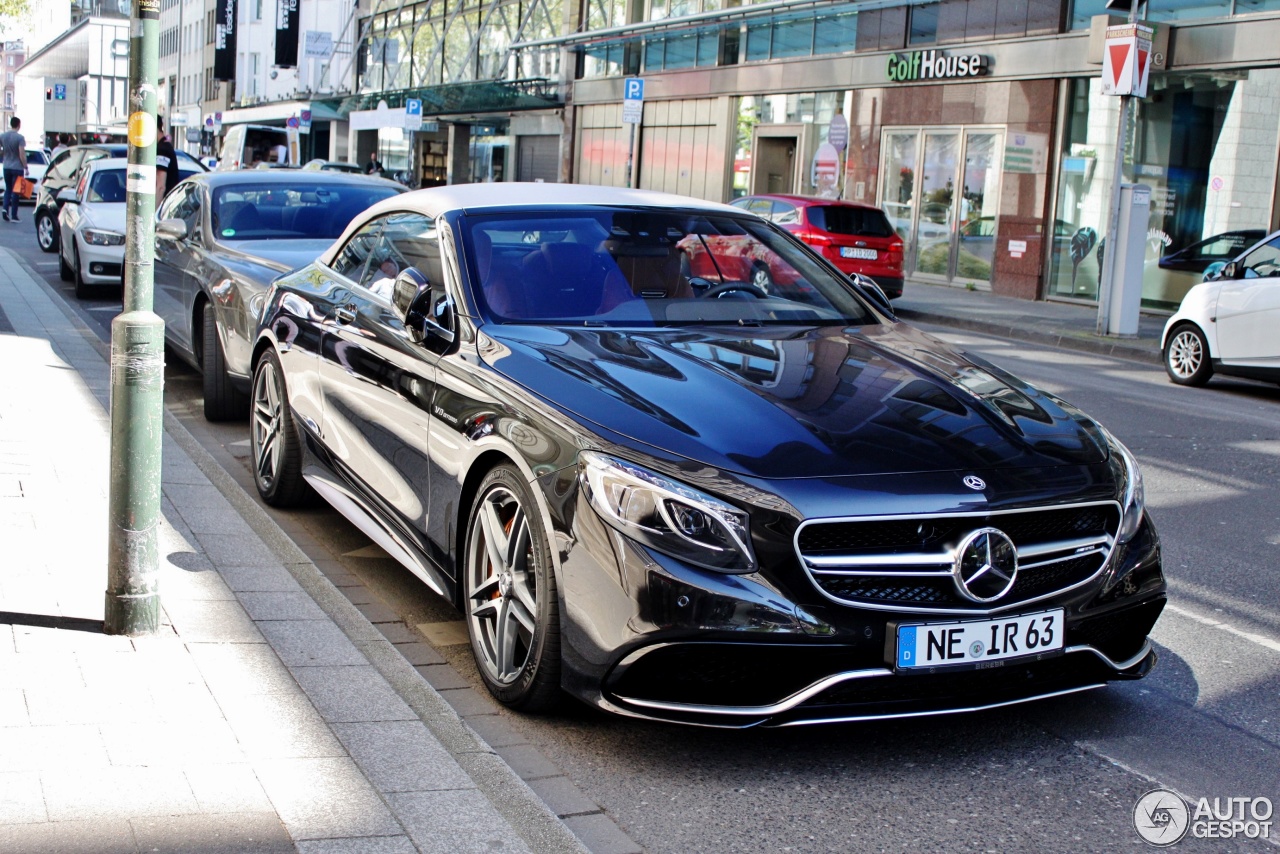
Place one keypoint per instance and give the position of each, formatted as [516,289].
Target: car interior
[629,266]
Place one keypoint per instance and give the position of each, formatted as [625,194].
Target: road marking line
[1260,640]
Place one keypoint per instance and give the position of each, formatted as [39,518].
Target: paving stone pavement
[268,715]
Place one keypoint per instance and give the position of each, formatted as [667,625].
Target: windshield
[36,157]
[106,185]
[297,210]
[628,267]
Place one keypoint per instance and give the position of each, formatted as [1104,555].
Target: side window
[351,259]
[407,240]
[785,214]
[1263,261]
[184,204]
[65,164]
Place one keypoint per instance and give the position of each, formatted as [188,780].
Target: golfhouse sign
[934,65]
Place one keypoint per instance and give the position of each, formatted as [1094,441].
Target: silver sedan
[221,237]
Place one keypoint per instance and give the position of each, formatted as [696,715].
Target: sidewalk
[268,716]
[1056,324]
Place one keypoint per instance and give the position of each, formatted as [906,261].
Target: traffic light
[48,94]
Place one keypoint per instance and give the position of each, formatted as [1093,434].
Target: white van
[245,146]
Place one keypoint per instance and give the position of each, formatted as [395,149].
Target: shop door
[539,158]
[775,164]
[940,189]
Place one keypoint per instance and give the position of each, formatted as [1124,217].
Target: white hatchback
[93,217]
[1227,323]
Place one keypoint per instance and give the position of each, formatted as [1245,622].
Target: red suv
[856,238]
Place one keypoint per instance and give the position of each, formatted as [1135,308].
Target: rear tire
[222,400]
[509,595]
[275,445]
[1186,356]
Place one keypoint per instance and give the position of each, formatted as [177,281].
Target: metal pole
[631,152]
[1108,271]
[137,363]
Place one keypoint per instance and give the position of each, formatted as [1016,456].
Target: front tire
[1186,356]
[222,400]
[46,232]
[64,269]
[83,289]
[275,446]
[509,595]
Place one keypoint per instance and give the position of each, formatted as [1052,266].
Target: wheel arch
[197,327]
[487,460]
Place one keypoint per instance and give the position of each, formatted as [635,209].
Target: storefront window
[1171,10]
[833,30]
[924,23]
[1204,143]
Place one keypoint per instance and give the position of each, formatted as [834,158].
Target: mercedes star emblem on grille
[986,565]
[975,482]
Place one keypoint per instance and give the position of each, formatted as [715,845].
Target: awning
[67,56]
[279,112]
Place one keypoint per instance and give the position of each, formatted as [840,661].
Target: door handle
[344,314]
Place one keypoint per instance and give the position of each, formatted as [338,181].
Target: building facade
[979,126]
[12,55]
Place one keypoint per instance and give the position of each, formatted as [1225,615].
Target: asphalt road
[1060,775]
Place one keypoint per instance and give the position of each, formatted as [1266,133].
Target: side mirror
[68,194]
[427,313]
[874,294]
[174,229]
[1232,271]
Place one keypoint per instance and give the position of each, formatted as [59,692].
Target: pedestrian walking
[60,147]
[13,145]
[167,175]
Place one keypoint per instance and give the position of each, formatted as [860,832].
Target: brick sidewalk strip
[269,715]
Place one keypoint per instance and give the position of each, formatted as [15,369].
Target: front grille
[733,674]
[905,562]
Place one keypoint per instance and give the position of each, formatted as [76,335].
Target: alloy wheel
[267,427]
[1186,354]
[44,233]
[503,589]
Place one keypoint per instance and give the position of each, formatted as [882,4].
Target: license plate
[864,254]
[974,643]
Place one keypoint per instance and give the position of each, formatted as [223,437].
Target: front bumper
[665,641]
[100,265]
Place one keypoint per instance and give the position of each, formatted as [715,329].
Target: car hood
[816,402]
[108,216]
[266,259]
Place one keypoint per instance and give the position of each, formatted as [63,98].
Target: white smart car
[93,215]
[1227,323]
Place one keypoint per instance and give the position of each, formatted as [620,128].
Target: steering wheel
[718,291]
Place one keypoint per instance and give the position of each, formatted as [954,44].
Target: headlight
[1134,497]
[668,516]
[97,237]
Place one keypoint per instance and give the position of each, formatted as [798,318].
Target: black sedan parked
[221,238]
[688,497]
[64,171]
